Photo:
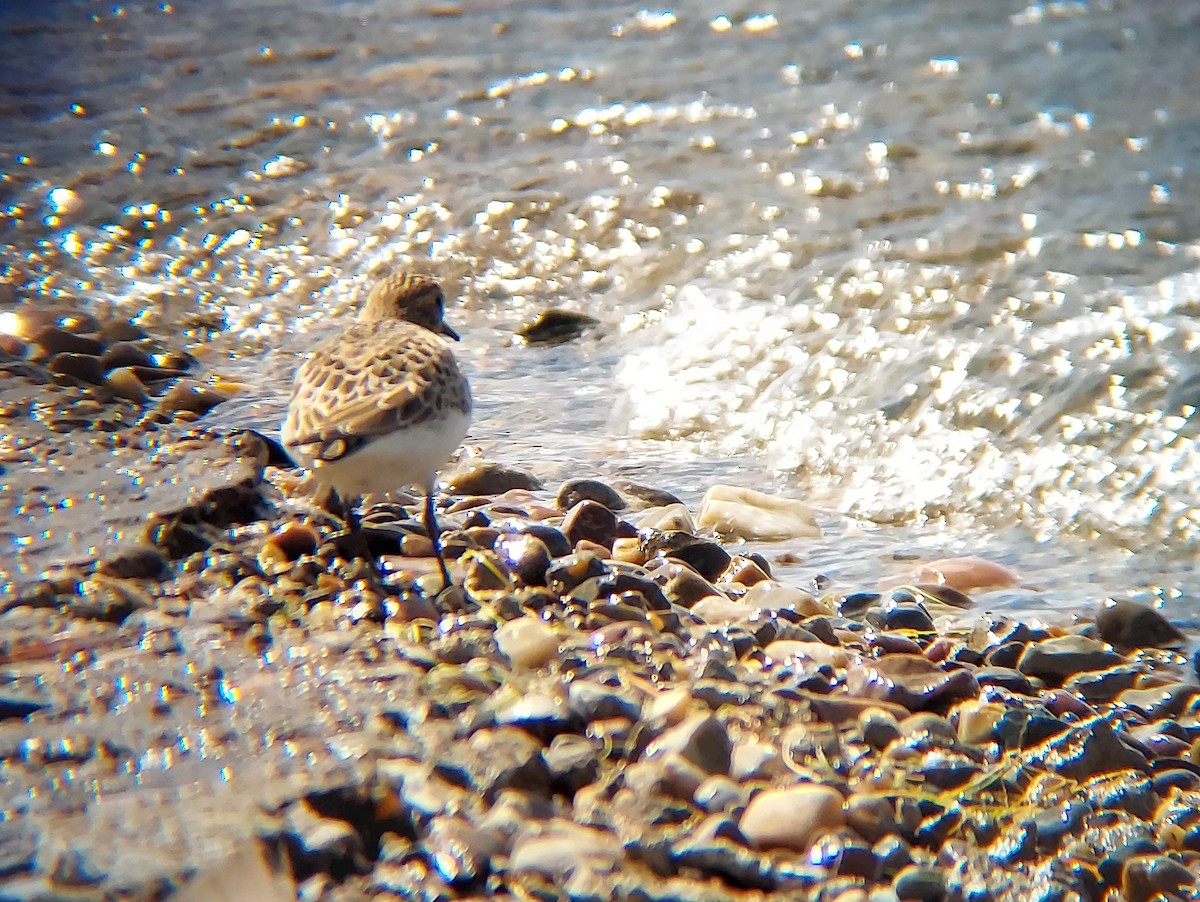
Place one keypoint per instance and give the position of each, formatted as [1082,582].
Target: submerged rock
[747,514]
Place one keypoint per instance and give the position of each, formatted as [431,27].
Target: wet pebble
[793,817]
[527,642]
[487,478]
[1127,624]
[748,514]
[1055,660]
[571,492]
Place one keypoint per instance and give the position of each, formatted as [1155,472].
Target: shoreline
[617,707]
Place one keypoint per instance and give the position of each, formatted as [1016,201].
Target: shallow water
[933,266]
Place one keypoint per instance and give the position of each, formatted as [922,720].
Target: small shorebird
[383,405]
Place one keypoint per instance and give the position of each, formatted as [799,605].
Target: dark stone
[856,604]
[573,762]
[190,396]
[700,739]
[1056,660]
[901,615]
[565,574]
[893,854]
[319,844]
[1057,822]
[505,758]
[1114,862]
[486,478]
[592,521]
[1084,750]
[918,884]
[1127,624]
[919,684]
[115,330]
[706,558]
[1147,877]
[716,848]
[555,326]
[573,491]
[615,584]
[136,562]
[16,705]
[947,595]
[1102,686]
[155,377]
[1006,677]
[556,543]
[1022,729]
[1005,655]
[652,497]
[525,556]
[125,353]
[56,340]
[1174,778]
[1159,702]
[77,369]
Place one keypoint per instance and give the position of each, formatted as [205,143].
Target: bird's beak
[448,332]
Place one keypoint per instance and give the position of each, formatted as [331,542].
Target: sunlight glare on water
[931,266]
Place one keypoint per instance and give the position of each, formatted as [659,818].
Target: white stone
[769,595]
[527,641]
[792,818]
[745,513]
[669,518]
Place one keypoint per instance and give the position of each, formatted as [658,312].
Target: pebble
[590,521]
[791,818]
[487,478]
[966,574]
[555,326]
[668,518]
[527,642]
[744,513]
[1056,660]
[1128,625]
[919,884]
[573,491]
[558,847]
[1147,877]
[700,739]
[768,595]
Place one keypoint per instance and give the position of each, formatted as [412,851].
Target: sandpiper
[383,405]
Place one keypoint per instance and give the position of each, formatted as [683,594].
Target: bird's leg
[360,544]
[435,532]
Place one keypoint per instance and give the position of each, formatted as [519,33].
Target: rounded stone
[1055,660]
[591,521]
[527,642]
[191,396]
[56,340]
[573,491]
[526,557]
[555,326]
[487,478]
[79,368]
[556,543]
[918,884]
[792,818]
[1127,624]
[1147,877]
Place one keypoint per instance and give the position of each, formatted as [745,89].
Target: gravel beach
[614,700]
[826,526]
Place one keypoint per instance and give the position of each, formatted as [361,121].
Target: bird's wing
[364,383]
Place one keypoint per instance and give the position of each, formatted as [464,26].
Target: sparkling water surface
[930,265]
